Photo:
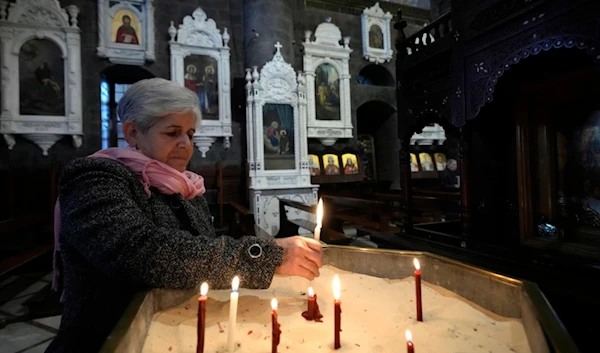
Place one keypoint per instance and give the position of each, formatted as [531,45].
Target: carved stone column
[267,22]
[464,182]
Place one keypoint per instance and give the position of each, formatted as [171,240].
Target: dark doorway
[376,75]
[377,134]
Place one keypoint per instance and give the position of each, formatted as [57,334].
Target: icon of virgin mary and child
[278,129]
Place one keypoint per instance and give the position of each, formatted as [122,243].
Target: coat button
[255,251]
[175,204]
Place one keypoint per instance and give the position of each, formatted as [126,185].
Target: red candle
[337,312]
[276,331]
[202,317]
[410,347]
[418,290]
[312,312]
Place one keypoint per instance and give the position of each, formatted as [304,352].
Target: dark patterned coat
[116,241]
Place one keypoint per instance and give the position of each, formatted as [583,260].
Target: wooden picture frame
[331,164]
[414,163]
[426,162]
[314,164]
[440,161]
[350,164]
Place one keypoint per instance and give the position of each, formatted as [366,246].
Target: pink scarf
[151,173]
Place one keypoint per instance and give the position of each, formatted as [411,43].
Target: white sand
[375,314]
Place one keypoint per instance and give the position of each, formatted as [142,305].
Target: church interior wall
[228,14]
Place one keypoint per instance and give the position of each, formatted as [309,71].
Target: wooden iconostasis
[536,149]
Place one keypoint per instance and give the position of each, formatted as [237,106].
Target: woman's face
[168,141]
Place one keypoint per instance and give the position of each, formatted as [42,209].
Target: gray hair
[450,161]
[148,100]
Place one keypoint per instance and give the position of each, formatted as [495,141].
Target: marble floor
[31,336]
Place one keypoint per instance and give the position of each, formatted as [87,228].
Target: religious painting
[375,37]
[201,77]
[331,163]
[366,154]
[414,165]
[313,165]
[327,92]
[41,79]
[426,162]
[350,163]
[278,136]
[440,161]
[126,28]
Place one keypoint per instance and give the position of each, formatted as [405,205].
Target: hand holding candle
[233,304]
[418,290]
[276,330]
[319,220]
[410,347]
[202,317]
[337,311]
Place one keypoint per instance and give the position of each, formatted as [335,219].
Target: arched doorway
[378,140]
[114,81]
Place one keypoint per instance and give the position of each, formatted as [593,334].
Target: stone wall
[225,13]
[273,22]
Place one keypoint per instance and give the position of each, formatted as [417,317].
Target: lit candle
[276,330]
[418,290]
[202,317]
[410,347]
[312,312]
[233,304]
[337,311]
[319,220]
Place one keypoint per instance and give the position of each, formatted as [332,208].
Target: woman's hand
[301,257]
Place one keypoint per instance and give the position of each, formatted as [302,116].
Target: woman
[133,218]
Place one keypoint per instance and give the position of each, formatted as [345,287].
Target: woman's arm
[103,221]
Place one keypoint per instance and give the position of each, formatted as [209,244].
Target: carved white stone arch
[374,16]
[122,53]
[327,48]
[276,84]
[199,35]
[22,21]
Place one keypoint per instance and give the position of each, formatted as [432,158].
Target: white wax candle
[233,305]
[319,220]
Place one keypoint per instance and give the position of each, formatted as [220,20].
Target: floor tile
[15,307]
[41,348]
[52,321]
[48,277]
[19,336]
[20,286]
[34,288]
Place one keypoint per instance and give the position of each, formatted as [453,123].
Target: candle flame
[274,304]
[235,284]
[204,289]
[417,264]
[311,292]
[336,287]
[320,213]
[408,336]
